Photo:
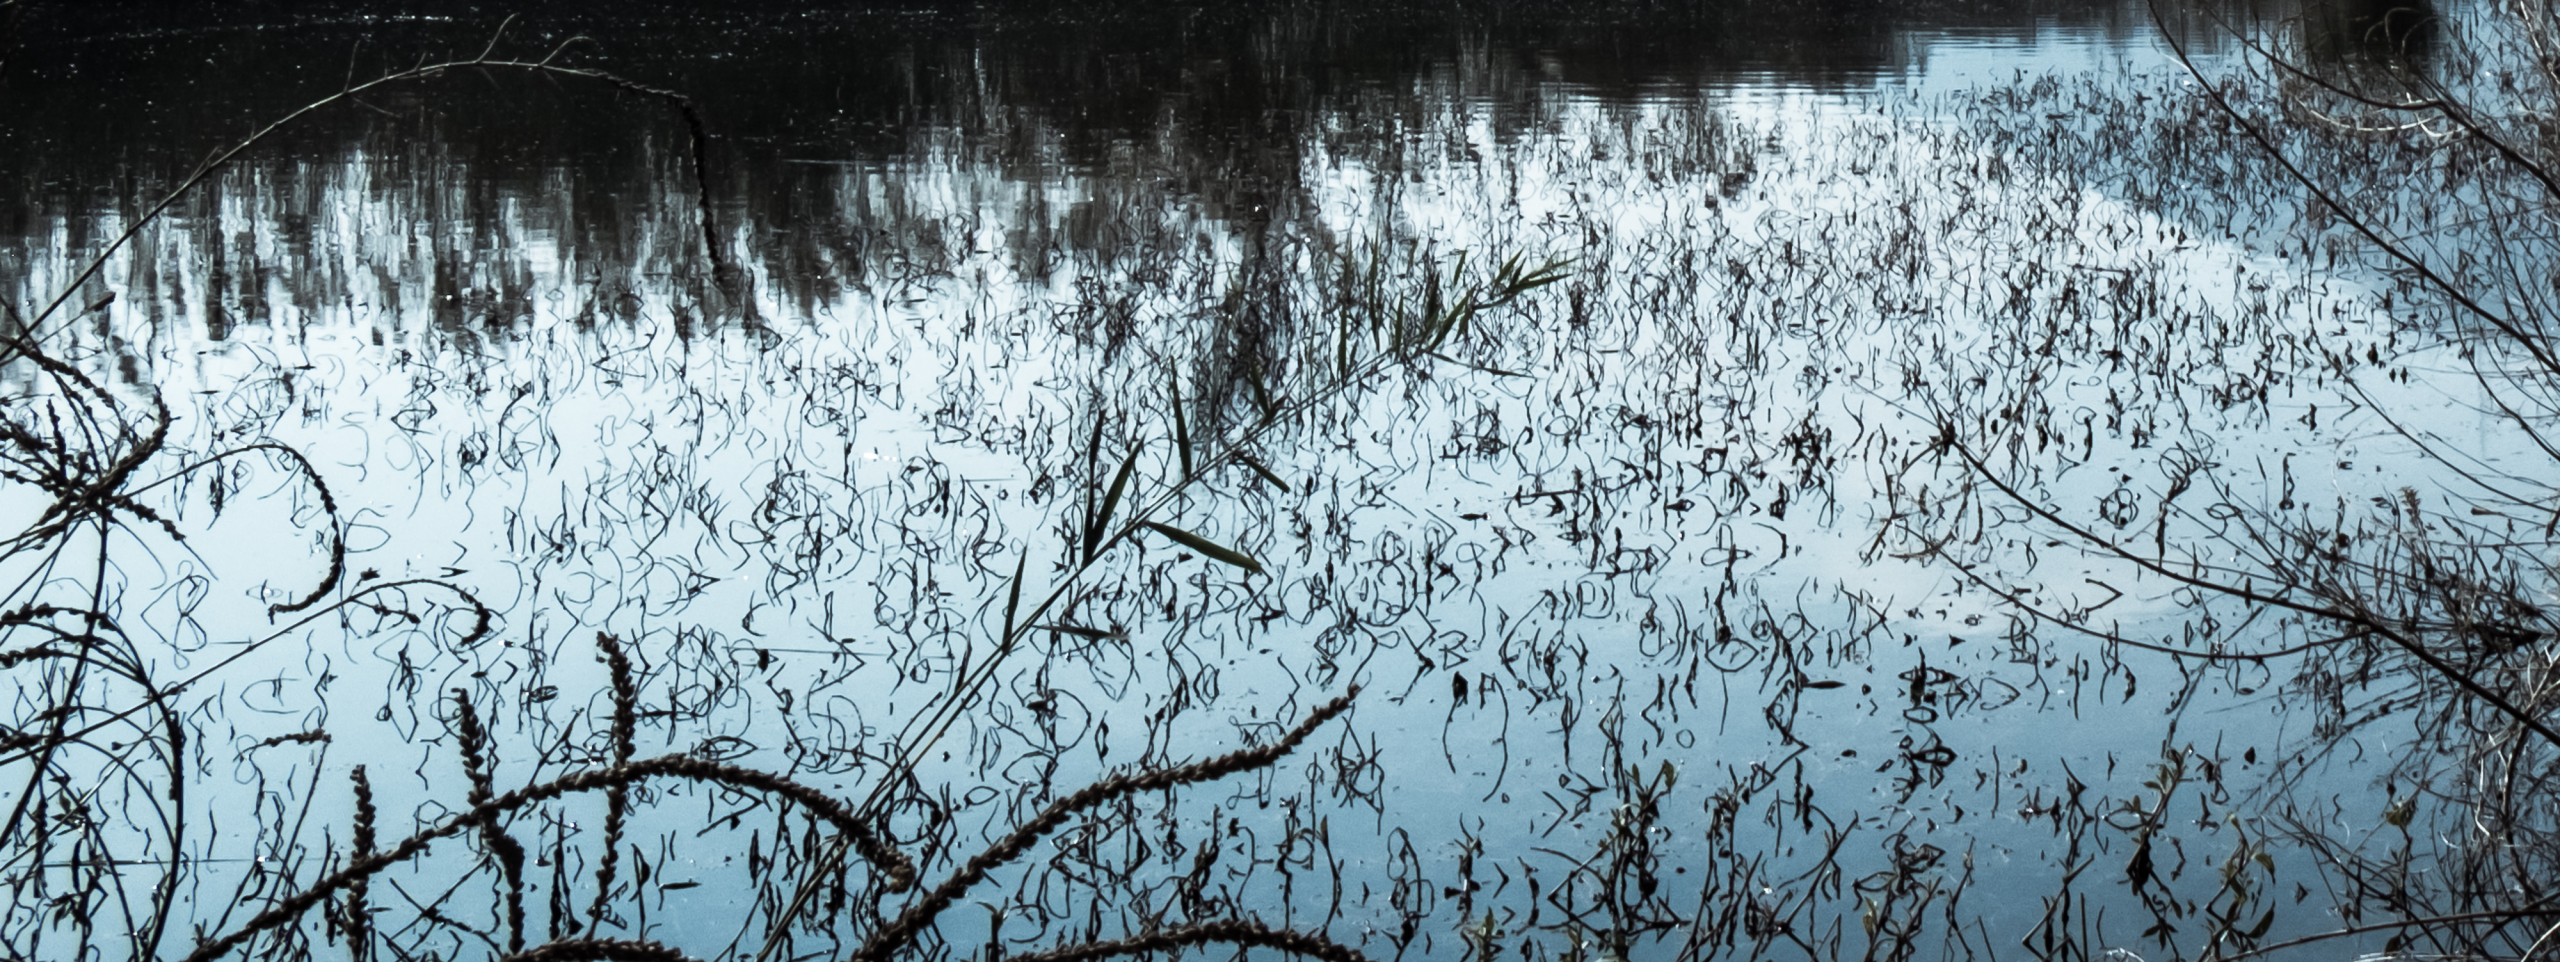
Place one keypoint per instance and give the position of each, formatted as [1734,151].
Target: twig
[898,933]
[607,950]
[900,872]
[2410,645]
[626,698]
[1235,931]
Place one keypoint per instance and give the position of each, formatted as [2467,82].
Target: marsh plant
[148,820]
[1924,523]
[2395,590]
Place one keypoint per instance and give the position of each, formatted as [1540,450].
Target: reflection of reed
[286,909]
[1639,465]
[899,933]
[486,810]
[2392,34]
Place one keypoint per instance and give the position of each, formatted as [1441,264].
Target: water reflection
[2383,32]
[1217,103]
[1679,636]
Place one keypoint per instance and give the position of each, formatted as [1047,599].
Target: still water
[1677,632]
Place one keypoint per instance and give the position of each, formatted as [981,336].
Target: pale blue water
[1646,533]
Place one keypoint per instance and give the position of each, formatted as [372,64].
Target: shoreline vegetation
[2069,515]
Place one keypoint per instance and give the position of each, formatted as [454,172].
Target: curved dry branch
[900,872]
[1249,932]
[617,798]
[2361,620]
[482,618]
[903,930]
[2507,326]
[599,950]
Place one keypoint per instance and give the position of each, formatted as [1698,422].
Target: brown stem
[901,872]
[909,923]
[604,950]
[1232,931]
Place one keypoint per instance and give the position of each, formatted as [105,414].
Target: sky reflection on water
[1632,523]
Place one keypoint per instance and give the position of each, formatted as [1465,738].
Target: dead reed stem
[900,872]
[903,930]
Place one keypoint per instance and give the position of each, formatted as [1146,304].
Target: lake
[1765,471]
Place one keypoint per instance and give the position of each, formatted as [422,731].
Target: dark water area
[1224,96]
[1222,105]
[1859,480]
[800,78]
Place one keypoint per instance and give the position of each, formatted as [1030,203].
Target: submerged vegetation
[2414,610]
[2080,515]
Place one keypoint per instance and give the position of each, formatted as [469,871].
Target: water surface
[1655,657]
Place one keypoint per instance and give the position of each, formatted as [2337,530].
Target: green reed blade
[1096,634]
[1101,518]
[1181,428]
[1207,547]
[1013,595]
[1266,473]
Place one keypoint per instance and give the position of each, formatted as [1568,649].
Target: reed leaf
[1207,547]
[1096,634]
[1013,596]
[1267,475]
[1181,429]
[1100,519]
